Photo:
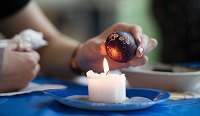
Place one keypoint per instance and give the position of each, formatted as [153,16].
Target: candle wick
[107,72]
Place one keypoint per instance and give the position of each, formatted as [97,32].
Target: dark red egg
[121,46]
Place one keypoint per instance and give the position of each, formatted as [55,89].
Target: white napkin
[26,39]
[32,87]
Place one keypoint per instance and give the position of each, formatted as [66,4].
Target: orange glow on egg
[114,53]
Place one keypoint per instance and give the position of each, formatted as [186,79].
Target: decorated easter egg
[121,46]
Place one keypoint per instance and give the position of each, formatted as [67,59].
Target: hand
[90,54]
[18,68]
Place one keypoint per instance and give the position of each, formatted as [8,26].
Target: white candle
[106,88]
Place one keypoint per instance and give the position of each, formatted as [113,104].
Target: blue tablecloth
[39,104]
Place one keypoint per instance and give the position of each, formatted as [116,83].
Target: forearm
[55,58]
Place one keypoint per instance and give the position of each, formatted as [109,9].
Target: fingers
[146,45]
[34,61]
[142,47]
[37,69]
[136,32]
[152,44]
[35,55]
[138,61]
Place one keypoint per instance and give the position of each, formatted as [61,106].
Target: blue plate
[154,96]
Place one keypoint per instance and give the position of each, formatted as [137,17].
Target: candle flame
[105,66]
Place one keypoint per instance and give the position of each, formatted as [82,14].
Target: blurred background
[174,24]
[83,19]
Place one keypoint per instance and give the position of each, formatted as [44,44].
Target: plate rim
[104,106]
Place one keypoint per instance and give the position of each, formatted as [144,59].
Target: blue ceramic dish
[155,96]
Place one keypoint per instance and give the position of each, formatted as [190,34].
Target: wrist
[74,66]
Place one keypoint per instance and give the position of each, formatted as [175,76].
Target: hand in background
[90,54]
[18,68]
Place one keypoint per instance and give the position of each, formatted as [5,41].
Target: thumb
[102,48]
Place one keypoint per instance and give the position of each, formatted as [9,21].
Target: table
[39,104]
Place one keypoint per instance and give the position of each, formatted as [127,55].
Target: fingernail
[141,51]
[139,40]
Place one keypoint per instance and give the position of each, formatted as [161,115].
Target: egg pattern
[121,46]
